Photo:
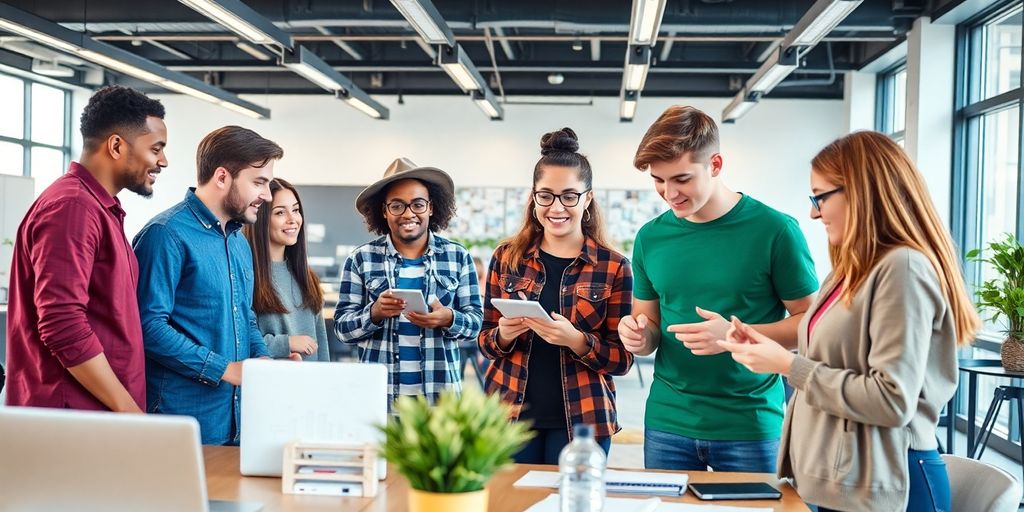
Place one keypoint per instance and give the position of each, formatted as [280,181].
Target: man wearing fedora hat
[421,350]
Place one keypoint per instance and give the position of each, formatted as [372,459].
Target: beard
[138,181]
[235,207]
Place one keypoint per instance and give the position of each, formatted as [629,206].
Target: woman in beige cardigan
[877,351]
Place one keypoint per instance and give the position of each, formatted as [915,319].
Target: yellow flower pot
[423,501]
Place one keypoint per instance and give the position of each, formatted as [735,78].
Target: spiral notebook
[618,482]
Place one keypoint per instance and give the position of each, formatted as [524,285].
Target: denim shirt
[195,300]
[450,278]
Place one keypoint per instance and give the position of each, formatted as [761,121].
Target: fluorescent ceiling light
[740,105]
[455,62]
[627,105]
[645,21]
[361,101]
[242,20]
[311,67]
[36,35]
[774,70]
[252,50]
[638,59]
[121,61]
[426,20]
[486,101]
[819,21]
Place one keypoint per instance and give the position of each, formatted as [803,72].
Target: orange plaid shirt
[597,291]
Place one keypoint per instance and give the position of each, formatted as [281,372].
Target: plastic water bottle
[582,463]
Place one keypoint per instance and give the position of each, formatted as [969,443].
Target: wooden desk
[225,483]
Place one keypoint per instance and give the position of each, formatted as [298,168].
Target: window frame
[969,116]
[26,141]
[885,103]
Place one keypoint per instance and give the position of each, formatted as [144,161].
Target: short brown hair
[679,130]
[233,148]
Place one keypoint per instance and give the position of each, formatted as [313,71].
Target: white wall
[326,142]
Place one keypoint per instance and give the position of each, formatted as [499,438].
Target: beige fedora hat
[402,169]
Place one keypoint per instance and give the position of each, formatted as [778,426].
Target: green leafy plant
[454,446]
[1003,296]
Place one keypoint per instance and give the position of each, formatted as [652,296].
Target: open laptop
[57,459]
[285,401]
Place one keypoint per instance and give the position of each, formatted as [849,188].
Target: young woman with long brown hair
[558,373]
[287,298]
[877,355]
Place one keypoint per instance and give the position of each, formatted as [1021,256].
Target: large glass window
[35,139]
[987,179]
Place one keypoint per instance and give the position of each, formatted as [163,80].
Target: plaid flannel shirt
[597,291]
[450,276]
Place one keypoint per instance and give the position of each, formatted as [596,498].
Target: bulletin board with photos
[486,215]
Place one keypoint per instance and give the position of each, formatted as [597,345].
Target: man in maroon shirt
[74,339]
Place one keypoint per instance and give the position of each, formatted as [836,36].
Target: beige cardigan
[869,386]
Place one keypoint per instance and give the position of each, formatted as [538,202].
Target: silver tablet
[413,300]
[511,308]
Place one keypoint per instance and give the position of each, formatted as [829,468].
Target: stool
[1002,393]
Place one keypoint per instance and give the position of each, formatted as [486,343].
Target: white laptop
[57,460]
[285,401]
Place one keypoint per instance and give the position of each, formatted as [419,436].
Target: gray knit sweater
[276,328]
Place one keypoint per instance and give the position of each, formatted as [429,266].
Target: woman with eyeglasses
[558,373]
[287,297]
[877,352]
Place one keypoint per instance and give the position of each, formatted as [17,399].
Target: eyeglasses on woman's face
[816,200]
[397,207]
[568,199]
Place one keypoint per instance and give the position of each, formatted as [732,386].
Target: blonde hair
[889,207]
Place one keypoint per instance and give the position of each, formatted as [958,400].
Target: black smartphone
[736,491]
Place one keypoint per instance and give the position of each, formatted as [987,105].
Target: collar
[93,186]
[433,246]
[205,216]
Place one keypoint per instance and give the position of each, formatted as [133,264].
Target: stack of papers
[551,504]
[620,482]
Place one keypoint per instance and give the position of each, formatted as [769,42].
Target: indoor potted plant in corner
[449,451]
[1005,296]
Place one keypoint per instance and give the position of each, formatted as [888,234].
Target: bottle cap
[581,430]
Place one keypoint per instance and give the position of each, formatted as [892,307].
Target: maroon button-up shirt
[73,282]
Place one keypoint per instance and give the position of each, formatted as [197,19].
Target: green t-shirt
[744,263]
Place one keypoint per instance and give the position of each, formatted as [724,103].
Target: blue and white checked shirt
[450,277]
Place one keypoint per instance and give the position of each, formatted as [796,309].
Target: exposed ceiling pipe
[488,69]
[494,62]
[347,48]
[595,49]
[505,46]
[666,48]
[705,38]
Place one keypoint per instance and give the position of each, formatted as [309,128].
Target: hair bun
[560,141]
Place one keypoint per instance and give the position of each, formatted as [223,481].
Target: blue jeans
[548,444]
[929,483]
[663,450]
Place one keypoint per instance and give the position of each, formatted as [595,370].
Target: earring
[586,215]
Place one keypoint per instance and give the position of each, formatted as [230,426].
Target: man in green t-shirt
[715,254]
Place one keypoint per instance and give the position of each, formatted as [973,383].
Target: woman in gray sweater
[876,355]
[287,297]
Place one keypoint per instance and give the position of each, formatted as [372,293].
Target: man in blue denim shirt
[195,286]
[420,350]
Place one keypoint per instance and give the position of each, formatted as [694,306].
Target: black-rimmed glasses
[816,200]
[397,207]
[568,199]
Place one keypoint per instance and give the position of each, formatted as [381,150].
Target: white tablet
[413,300]
[511,308]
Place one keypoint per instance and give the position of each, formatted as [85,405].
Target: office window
[35,134]
[891,117]
[987,173]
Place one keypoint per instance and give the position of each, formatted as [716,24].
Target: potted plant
[1005,296]
[450,450]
